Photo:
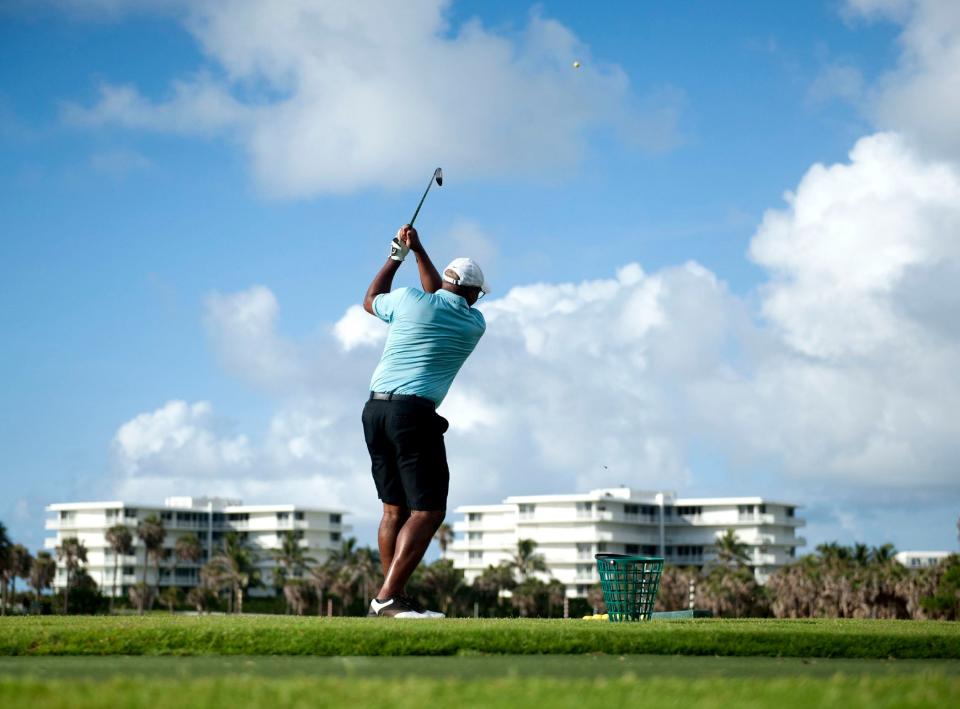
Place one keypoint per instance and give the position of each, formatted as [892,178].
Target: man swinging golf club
[431,333]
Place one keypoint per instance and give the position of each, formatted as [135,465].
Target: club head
[438,176]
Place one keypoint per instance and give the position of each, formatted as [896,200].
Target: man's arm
[429,278]
[381,283]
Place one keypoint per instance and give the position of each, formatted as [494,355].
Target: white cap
[468,274]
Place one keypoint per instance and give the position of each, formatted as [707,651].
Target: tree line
[834,582]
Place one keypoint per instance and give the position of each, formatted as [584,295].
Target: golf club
[438,176]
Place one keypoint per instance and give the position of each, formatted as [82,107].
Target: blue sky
[162,250]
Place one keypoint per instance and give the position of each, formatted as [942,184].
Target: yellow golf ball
[576,65]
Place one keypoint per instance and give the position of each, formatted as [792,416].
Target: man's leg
[392,521]
[412,543]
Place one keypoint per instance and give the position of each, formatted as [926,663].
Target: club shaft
[414,217]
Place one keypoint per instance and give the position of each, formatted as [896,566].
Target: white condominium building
[921,559]
[570,529]
[319,532]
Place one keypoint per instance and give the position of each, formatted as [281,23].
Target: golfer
[431,333]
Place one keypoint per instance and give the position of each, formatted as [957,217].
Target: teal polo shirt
[429,338]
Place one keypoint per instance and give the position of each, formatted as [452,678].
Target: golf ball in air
[576,65]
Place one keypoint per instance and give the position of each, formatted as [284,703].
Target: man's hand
[398,247]
[409,236]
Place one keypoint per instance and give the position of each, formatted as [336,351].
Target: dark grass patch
[462,667]
[278,635]
[932,691]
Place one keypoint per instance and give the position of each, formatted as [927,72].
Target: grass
[278,635]
[464,667]
[849,691]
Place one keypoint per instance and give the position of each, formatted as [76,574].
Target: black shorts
[407,455]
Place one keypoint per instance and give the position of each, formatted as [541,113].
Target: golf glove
[398,250]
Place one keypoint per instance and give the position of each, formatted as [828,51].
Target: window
[631,509]
[476,556]
[584,508]
[239,517]
[792,552]
[631,548]
[334,536]
[763,509]
[475,536]
[298,515]
[583,590]
[166,516]
[585,570]
[649,550]
[128,571]
[474,516]
[790,511]
[602,547]
[130,513]
[745,509]
[526,511]
[296,535]
[689,510]
[67,516]
[335,519]
[283,516]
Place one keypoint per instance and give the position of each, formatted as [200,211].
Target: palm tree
[187,549]
[233,567]
[71,552]
[344,565]
[21,561]
[525,561]
[444,537]
[556,595]
[442,582]
[320,576]
[42,572]
[170,597]
[883,554]
[120,540]
[296,593]
[494,580]
[860,554]
[832,551]
[730,550]
[291,561]
[152,533]
[367,571]
[200,597]
[526,596]
[15,562]
[5,562]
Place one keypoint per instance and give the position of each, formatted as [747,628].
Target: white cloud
[243,329]
[919,98]
[339,96]
[356,328]
[178,438]
[852,235]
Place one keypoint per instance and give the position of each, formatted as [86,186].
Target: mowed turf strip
[863,691]
[464,667]
[162,634]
